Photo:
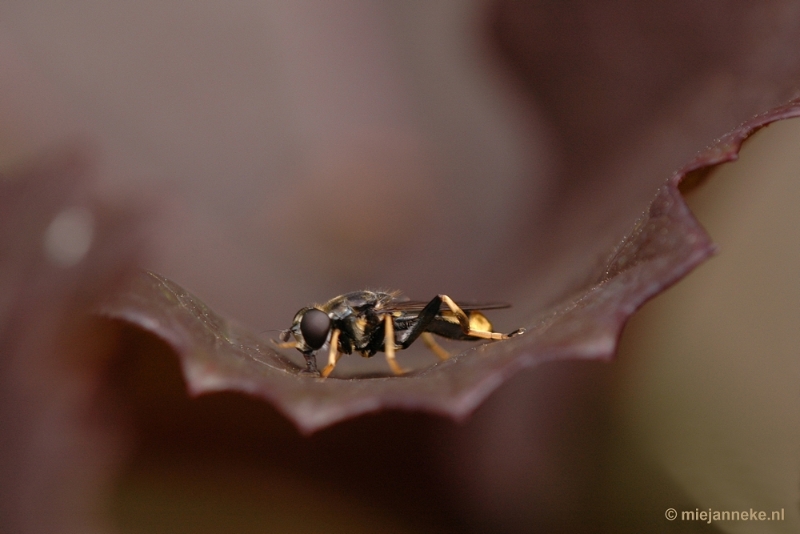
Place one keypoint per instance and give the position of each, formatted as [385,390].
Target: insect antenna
[282,336]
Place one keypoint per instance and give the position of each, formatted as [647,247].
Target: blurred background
[290,152]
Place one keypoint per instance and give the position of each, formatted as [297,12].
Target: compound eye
[315,326]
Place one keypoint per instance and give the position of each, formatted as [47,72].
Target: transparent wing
[417,305]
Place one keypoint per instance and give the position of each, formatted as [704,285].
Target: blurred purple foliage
[514,151]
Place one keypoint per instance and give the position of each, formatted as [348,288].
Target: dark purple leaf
[61,250]
[302,152]
[218,355]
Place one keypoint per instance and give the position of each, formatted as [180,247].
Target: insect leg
[431,343]
[333,354]
[463,320]
[425,318]
[388,344]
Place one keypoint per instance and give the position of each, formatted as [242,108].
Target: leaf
[61,250]
[304,152]
[217,354]
[714,402]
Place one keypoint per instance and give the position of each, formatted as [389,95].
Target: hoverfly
[372,321]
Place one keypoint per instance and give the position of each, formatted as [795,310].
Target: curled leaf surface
[218,354]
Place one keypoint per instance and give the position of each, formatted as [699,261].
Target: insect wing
[417,305]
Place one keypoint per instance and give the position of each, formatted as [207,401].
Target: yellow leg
[463,320]
[431,343]
[333,354]
[285,344]
[388,345]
